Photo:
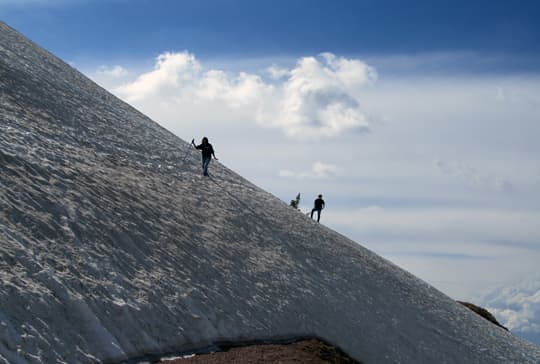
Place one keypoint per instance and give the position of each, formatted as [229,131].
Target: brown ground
[310,351]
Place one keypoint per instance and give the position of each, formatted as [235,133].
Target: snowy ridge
[113,246]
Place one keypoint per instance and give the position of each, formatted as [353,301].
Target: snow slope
[112,246]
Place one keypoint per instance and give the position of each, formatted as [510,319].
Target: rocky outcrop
[482,312]
[309,351]
[112,245]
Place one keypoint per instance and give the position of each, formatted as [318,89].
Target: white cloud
[236,91]
[320,98]
[115,71]
[317,98]
[179,77]
[276,72]
[517,306]
[350,72]
[318,170]
[172,72]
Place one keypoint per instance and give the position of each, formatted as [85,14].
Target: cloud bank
[518,307]
[318,97]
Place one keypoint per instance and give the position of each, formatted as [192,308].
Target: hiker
[207,153]
[318,205]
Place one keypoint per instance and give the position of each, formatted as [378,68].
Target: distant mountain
[113,246]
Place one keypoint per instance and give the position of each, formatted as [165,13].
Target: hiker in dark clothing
[318,205]
[207,153]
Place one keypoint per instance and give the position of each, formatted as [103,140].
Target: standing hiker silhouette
[207,153]
[318,205]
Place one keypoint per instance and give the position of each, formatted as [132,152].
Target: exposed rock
[311,351]
[482,312]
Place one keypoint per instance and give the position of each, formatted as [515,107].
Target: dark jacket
[207,150]
[319,204]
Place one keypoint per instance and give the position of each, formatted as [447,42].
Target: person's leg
[206,166]
[206,162]
[318,215]
[312,213]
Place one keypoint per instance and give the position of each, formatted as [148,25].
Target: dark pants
[205,163]
[318,214]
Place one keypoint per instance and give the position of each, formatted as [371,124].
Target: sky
[418,121]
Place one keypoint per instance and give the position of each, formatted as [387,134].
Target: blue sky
[117,28]
[418,121]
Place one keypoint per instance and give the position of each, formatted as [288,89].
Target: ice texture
[112,245]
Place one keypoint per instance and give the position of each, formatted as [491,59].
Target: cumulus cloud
[517,306]
[180,77]
[236,91]
[317,98]
[318,170]
[320,98]
[172,72]
[115,71]
[276,72]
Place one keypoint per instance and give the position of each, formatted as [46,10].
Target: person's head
[205,140]
[320,196]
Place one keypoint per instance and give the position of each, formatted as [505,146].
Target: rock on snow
[105,256]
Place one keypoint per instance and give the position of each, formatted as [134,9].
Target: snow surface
[113,246]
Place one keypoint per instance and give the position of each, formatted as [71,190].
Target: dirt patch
[310,351]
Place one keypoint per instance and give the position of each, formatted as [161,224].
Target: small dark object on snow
[296,202]
[482,312]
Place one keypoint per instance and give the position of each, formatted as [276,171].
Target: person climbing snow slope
[318,205]
[207,153]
